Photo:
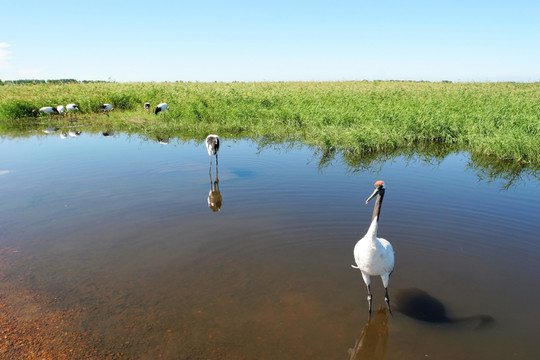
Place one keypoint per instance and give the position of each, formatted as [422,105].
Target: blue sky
[271,40]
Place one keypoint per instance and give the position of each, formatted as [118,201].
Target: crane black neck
[378,203]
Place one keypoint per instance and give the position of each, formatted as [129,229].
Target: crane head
[379,188]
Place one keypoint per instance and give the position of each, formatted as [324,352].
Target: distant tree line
[52,81]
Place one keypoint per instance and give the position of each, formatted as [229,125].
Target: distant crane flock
[211,142]
[105,108]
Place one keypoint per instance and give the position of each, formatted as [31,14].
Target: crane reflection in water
[373,340]
[415,303]
[214,195]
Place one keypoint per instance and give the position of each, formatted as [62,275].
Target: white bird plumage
[72,107]
[375,256]
[106,108]
[212,146]
[161,108]
[49,110]
[60,109]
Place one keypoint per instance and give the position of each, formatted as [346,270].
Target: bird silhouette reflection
[163,140]
[420,305]
[214,195]
[372,343]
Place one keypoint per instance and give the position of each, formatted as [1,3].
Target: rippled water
[121,228]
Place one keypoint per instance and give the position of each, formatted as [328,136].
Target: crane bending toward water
[374,256]
[71,107]
[106,108]
[49,110]
[212,146]
[161,108]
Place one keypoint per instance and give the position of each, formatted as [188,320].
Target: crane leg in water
[387,299]
[369,298]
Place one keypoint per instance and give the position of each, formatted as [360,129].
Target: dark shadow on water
[420,305]
[372,342]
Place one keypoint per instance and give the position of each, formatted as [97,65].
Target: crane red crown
[379,183]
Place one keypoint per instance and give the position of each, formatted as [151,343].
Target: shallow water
[120,227]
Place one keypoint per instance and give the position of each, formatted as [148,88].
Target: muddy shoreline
[33,327]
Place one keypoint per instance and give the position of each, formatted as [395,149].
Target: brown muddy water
[119,230]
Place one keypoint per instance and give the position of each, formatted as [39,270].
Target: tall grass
[496,119]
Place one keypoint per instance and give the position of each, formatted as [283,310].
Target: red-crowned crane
[374,256]
[72,107]
[49,110]
[147,107]
[161,108]
[212,146]
[106,108]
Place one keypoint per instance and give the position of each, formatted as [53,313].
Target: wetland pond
[118,229]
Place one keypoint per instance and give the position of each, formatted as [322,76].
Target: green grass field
[500,120]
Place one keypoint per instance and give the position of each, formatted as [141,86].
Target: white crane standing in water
[374,256]
[212,146]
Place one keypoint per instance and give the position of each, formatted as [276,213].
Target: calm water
[121,227]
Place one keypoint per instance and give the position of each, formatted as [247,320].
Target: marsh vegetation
[499,120]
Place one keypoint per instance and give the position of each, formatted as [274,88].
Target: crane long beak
[372,195]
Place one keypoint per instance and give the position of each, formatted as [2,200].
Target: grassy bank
[496,119]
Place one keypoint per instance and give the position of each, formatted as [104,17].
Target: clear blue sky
[228,40]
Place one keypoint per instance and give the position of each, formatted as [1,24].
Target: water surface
[120,228]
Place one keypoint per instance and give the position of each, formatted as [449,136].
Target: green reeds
[494,119]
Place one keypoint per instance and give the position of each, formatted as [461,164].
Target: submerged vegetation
[499,120]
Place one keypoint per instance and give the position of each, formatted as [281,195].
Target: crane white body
[374,256]
[106,107]
[161,108]
[49,110]
[212,146]
[71,107]
[60,109]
